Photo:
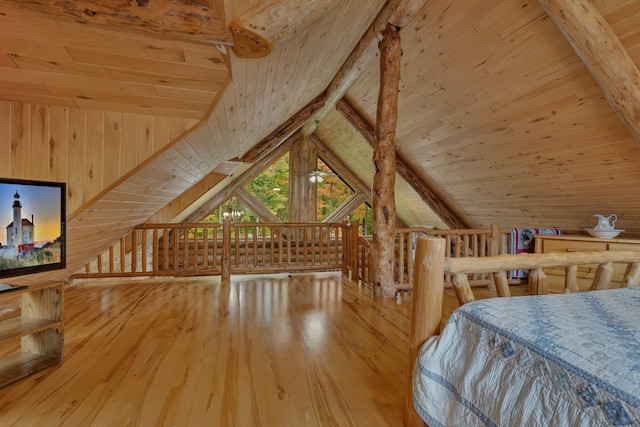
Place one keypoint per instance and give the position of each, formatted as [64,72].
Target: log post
[303,158]
[384,160]
[399,13]
[502,285]
[346,247]
[537,282]
[462,288]
[571,279]
[426,311]
[494,249]
[354,247]
[602,278]
[631,276]
[226,251]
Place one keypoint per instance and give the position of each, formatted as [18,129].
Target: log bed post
[384,161]
[426,312]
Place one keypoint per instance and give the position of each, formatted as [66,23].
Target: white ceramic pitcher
[606,223]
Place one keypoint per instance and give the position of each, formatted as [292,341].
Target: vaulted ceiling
[501,116]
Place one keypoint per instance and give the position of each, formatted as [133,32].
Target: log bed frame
[431,266]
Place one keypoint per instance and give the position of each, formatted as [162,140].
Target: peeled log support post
[384,161]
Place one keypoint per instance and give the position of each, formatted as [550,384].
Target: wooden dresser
[571,243]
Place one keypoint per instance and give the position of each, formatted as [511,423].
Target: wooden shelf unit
[576,243]
[39,327]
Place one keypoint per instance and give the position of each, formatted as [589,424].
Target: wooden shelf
[39,328]
[23,364]
[19,326]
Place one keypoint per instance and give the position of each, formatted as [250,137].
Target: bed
[563,360]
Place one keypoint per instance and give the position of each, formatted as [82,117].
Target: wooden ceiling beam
[258,31]
[598,46]
[285,131]
[403,169]
[345,173]
[240,181]
[254,205]
[193,20]
[397,12]
[349,205]
[339,167]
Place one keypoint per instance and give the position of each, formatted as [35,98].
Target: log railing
[221,249]
[499,265]
[458,244]
[433,264]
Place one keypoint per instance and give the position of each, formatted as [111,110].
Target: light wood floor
[305,350]
[263,351]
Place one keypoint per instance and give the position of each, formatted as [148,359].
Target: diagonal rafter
[254,205]
[595,42]
[240,181]
[425,193]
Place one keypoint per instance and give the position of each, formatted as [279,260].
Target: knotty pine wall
[88,149]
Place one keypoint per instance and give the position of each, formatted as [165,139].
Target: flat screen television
[32,226]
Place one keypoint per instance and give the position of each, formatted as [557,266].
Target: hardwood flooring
[262,351]
[306,350]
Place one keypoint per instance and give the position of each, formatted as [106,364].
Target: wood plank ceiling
[505,122]
[141,57]
[497,113]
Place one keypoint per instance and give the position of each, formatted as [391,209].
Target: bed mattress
[553,360]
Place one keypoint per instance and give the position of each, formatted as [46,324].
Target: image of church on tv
[20,233]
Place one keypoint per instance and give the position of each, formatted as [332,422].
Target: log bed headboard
[431,265]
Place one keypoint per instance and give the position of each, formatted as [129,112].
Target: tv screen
[32,226]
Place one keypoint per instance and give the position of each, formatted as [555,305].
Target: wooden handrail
[224,249]
[532,261]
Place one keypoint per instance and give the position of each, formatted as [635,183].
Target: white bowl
[606,234]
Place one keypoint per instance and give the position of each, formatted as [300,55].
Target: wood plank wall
[88,149]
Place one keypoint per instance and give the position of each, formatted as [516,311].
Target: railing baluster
[155,254]
[144,251]
[123,253]
[631,275]
[111,267]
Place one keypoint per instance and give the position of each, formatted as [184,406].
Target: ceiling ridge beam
[402,168]
[601,51]
[397,12]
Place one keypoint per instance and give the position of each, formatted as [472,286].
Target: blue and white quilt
[552,360]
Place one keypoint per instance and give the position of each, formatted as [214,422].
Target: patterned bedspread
[556,360]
